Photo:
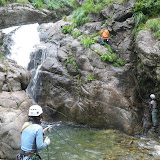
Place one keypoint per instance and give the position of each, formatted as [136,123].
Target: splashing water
[24,38]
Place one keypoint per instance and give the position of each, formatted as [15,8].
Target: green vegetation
[64,17]
[122,1]
[52,4]
[6,67]
[108,47]
[3,2]
[139,19]
[150,8]
[67,29]
[50,38]
[1,56]
[49,4]
[145,10]
[119,62]
[72,61]
[154,25]
[110,57]
[87,42]
[1,42]
[90,78]
[76,34]
[37,3]
[79,81]
[94,35]
[79,16]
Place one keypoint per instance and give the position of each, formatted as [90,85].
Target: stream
[77,142]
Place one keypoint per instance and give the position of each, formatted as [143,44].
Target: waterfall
[35,69]
[21,43]
[24,38]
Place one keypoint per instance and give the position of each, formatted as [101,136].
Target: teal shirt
[32,138]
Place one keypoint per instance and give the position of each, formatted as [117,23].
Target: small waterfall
[21,42]
[24,38]
[34,83]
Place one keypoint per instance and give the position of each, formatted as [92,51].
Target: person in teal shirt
[32,135]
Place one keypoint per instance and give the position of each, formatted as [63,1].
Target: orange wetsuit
[104,34]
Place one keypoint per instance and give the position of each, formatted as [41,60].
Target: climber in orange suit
[104,34]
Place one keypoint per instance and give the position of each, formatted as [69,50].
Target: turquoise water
[75,142]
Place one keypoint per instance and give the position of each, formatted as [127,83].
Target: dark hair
[35,119]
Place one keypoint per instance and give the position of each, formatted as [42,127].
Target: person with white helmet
[32,135]
[154,109]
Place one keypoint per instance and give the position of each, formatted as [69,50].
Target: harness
[30,155]
[25,127]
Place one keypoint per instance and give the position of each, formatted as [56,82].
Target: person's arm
[47,129]
[151,105]
[39,139]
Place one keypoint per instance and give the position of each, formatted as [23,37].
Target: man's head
[35,114]
[35,110]
[152,96]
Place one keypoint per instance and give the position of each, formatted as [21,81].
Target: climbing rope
[135,79]
[71,145]
[48,152]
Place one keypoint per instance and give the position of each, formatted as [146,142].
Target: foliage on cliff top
[79,16]
[150,8]
[154,25]
[49,4]
[145,10]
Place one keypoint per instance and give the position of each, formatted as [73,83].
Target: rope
[91,116]
[71,145]
[59,112]
[48,152]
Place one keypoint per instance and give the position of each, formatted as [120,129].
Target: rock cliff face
[74,81]
[120,24]
[148,51]
[14,104]
[147,48]
[19,14]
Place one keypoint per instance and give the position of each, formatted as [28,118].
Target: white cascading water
[25,38]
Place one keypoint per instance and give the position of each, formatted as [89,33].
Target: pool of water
[75,142]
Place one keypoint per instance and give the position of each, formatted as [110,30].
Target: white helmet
[35,110]
[152,96]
